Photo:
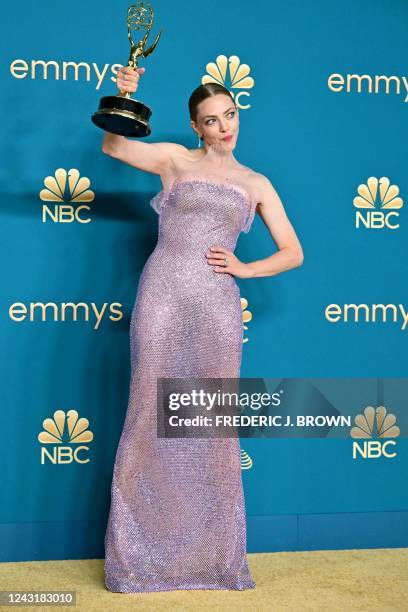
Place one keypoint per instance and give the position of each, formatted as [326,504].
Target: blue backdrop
[322,116]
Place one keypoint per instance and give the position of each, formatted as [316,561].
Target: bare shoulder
[258,184]
[178,155]
[260,181]
[263,187]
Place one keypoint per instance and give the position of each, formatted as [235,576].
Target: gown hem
[120,586]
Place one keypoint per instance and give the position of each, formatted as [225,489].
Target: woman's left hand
[215,257]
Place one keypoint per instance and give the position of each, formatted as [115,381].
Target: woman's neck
[218,156]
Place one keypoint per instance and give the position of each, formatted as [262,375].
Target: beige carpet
[369,580]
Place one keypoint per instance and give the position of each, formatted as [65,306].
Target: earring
[199,140]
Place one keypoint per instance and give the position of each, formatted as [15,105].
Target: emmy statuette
[121,114]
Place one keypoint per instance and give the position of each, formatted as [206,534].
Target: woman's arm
[150,157]
[273,214]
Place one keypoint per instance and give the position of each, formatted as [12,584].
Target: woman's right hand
[127,79]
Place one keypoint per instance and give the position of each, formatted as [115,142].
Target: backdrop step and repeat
[322,91]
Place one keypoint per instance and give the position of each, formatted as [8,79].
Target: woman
[177,516]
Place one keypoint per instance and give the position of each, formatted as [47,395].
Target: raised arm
[150,157]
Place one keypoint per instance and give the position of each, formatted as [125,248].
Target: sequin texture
[177,515]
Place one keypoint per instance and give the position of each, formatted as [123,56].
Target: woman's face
[217,118]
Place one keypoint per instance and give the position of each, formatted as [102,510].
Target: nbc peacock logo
[229,72]
[65,437]
[377,204]
[67,195]
[246,315]
[375,423]
[246,461]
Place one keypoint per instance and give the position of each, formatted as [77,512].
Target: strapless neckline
[159,201]
[165,191]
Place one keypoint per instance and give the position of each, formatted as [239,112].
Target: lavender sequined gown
[177,516]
